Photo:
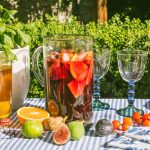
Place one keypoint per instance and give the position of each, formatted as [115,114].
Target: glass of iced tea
[68,75]
[5,88]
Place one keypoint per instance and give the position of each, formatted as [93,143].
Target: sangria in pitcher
[68,75]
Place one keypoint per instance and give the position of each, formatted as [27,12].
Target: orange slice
[79,57]
[77,67]
[83,75]
[31,113]
[53,108]
[5,109]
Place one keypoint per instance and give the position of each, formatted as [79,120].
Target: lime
[32,129]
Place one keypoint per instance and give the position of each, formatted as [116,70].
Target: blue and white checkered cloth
[88,142]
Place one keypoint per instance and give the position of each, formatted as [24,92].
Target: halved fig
[61,135]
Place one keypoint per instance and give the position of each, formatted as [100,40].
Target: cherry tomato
[146,123]
[146,117]
[116,124]
[128,121]
[136,116]
[125,127]
[138,121]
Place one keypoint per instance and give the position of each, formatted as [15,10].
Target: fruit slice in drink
[53,108]
[76,88]
[57,71]
[77,68]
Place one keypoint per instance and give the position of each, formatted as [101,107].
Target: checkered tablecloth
[88,142]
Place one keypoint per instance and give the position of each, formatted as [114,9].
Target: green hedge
[115,33]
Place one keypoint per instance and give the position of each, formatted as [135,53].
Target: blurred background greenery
[126,24]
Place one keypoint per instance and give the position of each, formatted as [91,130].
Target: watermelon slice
[77,68]
[76,88]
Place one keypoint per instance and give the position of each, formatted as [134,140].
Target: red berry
[116,124]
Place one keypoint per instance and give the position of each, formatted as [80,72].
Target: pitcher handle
[35,66]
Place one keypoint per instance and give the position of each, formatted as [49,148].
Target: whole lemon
[32,129]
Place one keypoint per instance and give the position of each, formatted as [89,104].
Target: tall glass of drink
[5,88]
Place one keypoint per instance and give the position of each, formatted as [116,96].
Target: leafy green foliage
[117,34]
[11,33]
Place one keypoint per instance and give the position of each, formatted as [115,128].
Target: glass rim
[48,37]
[133,52]
[105,50]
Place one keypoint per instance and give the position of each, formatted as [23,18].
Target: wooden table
[89,142]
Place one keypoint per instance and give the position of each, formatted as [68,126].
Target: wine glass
[131,64]
[101,66]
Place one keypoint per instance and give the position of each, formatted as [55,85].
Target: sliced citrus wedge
[77,67]
[5,109]
[83,75]
[79,57]
[31,113]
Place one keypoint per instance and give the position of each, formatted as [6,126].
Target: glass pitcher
[68,75]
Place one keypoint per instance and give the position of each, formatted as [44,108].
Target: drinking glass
[5,88]
[131,64]
[101,65]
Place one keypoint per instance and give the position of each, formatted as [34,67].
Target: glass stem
[96,88]
[131,92]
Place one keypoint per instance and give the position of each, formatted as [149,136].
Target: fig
[77,129]
[61,135]
[103,127]
[52,123]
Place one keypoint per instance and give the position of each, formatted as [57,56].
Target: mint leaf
[8,41]
[2,28]
[26,38]
[12,12]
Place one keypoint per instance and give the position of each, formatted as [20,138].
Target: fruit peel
[52,123]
